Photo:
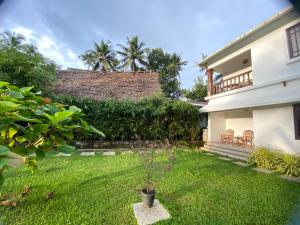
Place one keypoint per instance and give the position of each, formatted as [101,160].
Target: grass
[200,189]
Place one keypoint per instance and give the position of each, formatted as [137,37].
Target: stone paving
[262,170]
[87,153]
[146,216]
[290,178]
[63,154]
[224,158]
[109,153]
[241,164]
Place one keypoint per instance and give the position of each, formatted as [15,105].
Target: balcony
[232,83]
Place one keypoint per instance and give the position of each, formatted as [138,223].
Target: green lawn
[200,189]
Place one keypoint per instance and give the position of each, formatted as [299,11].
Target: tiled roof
[99,85]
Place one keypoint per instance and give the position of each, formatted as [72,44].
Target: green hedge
[275,160]
[152,118]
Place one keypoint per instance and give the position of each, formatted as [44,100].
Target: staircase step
[236,147]
[229,151]
[233,156]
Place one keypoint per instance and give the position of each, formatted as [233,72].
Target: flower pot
[148,198]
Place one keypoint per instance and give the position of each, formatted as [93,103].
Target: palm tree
[29,49]
[176,63]
[102,58]
[88,59]
[133,54]
[11,39]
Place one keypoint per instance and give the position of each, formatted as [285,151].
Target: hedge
[154,118]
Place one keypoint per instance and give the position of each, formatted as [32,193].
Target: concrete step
[233,156]
[236,147]
[229,151]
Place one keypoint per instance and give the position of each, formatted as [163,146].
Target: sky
[63,29]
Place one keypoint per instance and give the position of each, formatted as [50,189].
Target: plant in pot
[153,168]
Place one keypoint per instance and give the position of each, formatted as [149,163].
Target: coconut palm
[11,39]
[30,49]
[133,54]
[88,59]
[176,63]
[102,58]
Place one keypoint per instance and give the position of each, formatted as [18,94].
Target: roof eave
[277,16]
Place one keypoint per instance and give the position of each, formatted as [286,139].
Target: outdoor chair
[246,139]
[228,136]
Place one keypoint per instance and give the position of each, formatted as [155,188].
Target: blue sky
[62,30]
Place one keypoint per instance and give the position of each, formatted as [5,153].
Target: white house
[260,86]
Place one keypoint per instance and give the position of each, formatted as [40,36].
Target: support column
[210,73]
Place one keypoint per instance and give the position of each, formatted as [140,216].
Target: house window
[293,36]
[297,121]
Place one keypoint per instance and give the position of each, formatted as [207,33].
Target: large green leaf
[19,117]
[59,116]
[4,150]
[3,83]
[74,109]
[15,94]
[96,131]
[26,90]
[6,106]
[40,128]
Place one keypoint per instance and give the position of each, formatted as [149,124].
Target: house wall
[216,126]
[219,122]
[274,128]
[239,121]
[270,56]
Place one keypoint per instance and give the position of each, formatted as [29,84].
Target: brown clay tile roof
[99,85]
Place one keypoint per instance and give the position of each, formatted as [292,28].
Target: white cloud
[59,52]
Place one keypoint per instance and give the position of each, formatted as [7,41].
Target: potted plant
[152,167]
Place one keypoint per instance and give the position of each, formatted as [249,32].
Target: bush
[282,162]
[151,118]
[289,165]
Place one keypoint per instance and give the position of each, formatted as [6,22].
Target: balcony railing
[236,82]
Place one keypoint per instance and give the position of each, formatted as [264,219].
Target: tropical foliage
[102,58]
[135,57]
[30,124]
[152,118]
[22,65]
[275,160]
[198,91]
[169,67]
[11,40]
[133,54]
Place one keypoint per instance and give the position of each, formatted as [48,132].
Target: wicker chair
[228,136]
[246,139]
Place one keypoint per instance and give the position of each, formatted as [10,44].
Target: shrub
[289,165]
[264,158]
[153,118]
[282,162]
[30,123]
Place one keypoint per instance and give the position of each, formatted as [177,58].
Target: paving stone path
[109,153]
[87,153]
[63,154]
[241,164]
[224,158]
[262,170]
[146,216]
[289,178]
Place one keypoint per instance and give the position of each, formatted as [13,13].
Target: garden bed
[200,189]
